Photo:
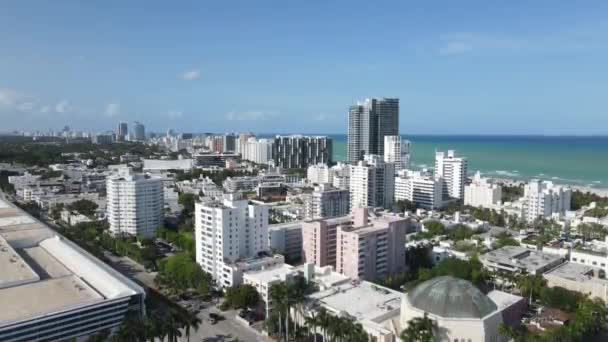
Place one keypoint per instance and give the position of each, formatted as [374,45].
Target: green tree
[434,227]
[187,200]
[530,285]
[241,297]
[83,207]
[420,329]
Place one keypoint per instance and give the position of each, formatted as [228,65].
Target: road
[225,330]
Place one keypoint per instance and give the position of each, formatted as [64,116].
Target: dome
[451,298]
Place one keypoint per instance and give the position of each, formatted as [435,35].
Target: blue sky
[459,67]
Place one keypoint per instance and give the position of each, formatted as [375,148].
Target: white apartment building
[397,150]
[228,232]
[372,183]
[327,201]
[544,199]
[319,174]
[135,203]
[453,170]
[340,175]
[258,151]
[420,188]
[482,193]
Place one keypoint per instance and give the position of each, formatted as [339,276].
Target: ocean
[563,159]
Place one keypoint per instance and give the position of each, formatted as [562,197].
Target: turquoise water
[571,160]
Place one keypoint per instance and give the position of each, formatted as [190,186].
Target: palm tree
[420,329]
[278,293]
[172,325]
[312,322]
[324,321]
[530,284]
[191,321]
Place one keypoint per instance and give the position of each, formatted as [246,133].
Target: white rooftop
[521,257]
[363,300]
[577,272]
[503,299]
[42,273]
[278,273]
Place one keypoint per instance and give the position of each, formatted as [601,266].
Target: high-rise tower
[369,122]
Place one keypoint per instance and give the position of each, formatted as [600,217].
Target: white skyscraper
[482,193]
[227,231]
[453,170]
[542,199]
[397,150]
[372,183]
[135,203]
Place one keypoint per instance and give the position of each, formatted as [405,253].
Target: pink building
[371,248]
[359,246]
[319,240]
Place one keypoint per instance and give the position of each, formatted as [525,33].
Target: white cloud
[62,106]
[174,114]
[464,42]
[112,109]
[322,117]
[250,116]
[191,75]
[9,98]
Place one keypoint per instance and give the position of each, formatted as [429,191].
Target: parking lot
[225,330]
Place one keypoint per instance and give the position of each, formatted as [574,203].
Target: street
[225,330]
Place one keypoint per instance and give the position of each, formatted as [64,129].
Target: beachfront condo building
[397,150]
[369,121]
[453,171]
[543,199]
[482,193]
[299,152]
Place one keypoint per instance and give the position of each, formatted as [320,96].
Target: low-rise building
[519,259]
[263,280]
[159,165]
[53,290]
[461,311]
[375,307]
[585,279]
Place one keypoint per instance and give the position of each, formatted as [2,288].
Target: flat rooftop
[503,299]
[44,297]
[520,257]
[278,273]
[362,300]
[15,271]
[42,273]
[577,272]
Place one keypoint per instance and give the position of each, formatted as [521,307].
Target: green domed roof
[451,298]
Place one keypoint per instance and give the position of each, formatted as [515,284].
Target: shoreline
[582,188]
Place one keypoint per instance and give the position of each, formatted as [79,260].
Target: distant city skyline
[470,67]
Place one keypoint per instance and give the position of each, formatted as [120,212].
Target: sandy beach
[582,188]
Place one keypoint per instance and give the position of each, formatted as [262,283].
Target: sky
[458,67]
